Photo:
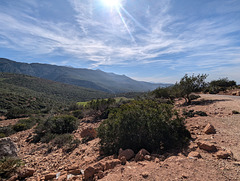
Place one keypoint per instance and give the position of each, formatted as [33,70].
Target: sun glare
[112,3]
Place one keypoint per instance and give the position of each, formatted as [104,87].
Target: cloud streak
[97,37]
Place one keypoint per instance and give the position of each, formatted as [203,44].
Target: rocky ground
[213,154]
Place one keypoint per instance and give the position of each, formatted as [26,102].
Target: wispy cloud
[97,36]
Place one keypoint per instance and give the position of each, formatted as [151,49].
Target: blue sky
[151,40]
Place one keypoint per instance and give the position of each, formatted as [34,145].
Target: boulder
[207,146]
[88,133]
[194,154]
[7,148]
[209,129]
[128,153]
[89,173]
[140,155]
[26,172]
[223,154]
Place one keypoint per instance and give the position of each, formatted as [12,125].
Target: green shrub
[62,140]
[16,112]
[19,127]
[142,124]
[24,124]
[191,113]
[6,131]
[8,166]
[78,114]
[54,126]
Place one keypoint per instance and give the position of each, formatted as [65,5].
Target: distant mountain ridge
[94,79]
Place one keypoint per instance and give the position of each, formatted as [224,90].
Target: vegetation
[186,86]
[57,130]
[8,166]
[22,95]
[191,113]
[21,125]
[222,84]
[142,124]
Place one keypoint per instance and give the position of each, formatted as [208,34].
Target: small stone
[100,174]
[207,146]
[209,129]
[140,155]
[194,154]
[89,173]
[123,160]
[147,157]
[49,176]
[26,172]
[223,154]
[145,175]
[75,172]
[13,178]
[128,153]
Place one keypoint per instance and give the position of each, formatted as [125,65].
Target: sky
[149,40]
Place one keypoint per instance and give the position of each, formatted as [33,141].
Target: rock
[207,146]
[26,172]
[147,157]
[209,129]
[100,174]
[123,160]
[194,154]
[75,172]
[13,178]
[98,166]
[145,175]
[62,178]
[111,164]
[128,153]
[140,155]
[50,176]
[74,169]
[223,154]
[88,133]
[7,148]
[89,173]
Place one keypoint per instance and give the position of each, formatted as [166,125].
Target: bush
[191,113]
[16,113]
[6,131]
[8,166]
[54,126]
[61,124]
[24,124]
[142,124]
[78,114]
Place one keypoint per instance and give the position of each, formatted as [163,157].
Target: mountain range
[94,79]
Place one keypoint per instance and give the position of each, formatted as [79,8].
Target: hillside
[94,79]
[31,93]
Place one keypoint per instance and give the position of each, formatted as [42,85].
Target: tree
[189,84]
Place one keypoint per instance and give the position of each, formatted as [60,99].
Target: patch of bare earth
[199,165]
